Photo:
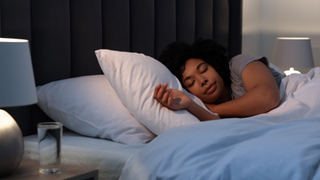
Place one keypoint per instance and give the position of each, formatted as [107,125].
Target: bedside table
[29,169]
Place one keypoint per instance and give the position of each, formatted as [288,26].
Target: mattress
[107,156]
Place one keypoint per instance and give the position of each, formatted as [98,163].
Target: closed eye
[202,67]
[191,84]
[204,70]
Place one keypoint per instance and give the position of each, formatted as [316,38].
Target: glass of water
[49,143]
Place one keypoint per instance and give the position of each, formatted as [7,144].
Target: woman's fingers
[156,90]
[170,100]
[161,91]
[165,97]
[162,94]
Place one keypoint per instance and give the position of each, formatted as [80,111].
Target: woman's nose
[203,81]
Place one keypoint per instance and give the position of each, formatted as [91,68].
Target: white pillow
[88,105]
[134,77]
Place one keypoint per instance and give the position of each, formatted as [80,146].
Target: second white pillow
[88,105]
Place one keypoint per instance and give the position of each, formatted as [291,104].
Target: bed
[69,40]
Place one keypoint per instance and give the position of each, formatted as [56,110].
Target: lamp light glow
[291,71]
[12,40]
[5,119]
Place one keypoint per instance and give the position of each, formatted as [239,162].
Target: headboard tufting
[64,34]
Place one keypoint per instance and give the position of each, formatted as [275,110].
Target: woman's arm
[177,100]
[200,113]
[262,93]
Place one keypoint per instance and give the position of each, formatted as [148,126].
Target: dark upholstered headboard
[63,34]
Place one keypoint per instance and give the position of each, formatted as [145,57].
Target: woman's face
[202,80]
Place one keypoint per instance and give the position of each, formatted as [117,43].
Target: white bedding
[281,144]
[106,156]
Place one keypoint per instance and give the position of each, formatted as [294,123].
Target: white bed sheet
[281,144]
[106,156]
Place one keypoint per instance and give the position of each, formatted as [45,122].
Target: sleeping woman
[244,86]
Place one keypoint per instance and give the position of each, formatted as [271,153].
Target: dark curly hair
[176,54]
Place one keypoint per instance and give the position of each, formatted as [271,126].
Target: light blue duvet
[283,144]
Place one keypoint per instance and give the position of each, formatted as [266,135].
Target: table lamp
[17,88]
[293,52]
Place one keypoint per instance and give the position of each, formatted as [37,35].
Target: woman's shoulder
[239,62]
[245,58]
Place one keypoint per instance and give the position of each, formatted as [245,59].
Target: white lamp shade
[293,52]
[17,86]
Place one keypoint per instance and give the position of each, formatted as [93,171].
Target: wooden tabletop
[29,169]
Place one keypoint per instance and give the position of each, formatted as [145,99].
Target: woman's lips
[210,88]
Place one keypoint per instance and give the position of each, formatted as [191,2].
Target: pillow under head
[134,77]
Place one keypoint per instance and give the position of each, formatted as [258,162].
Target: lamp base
[11,144]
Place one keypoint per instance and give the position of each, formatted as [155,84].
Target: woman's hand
[171,98]
[177,100]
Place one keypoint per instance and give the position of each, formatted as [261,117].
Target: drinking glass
[49,144]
